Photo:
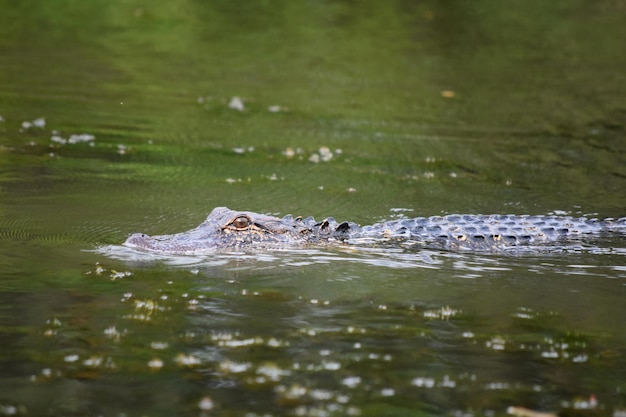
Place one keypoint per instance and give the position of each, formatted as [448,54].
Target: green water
[120,116]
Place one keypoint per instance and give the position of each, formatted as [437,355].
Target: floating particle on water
[525,313]
[272,371]
[71,358]
[423,382]
[580,358]
[292,392]
[93,362]
[122,149]
[112,333]
[447,382]
[331,366]
[274,109]
[236,103]
[525,412]
[187,360]
[1,119]
[54,322]
[430,159]
[159,345]
[81,138]
[497,386]
[444,313]
[448,94]
[58,139]
[206,404]
[234,367]
[119,275]
[496,343]
[273,342]
[11,410]
[508,183]
[241,342]
[26,125]
[155,363]
[468,335]
[351,381]
[428,174]
[239,150]
[321,394]
[550,355]
[453,174]
[233,180]
[325,154]
[387,392]
[351,190]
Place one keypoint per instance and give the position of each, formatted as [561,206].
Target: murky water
[124,116]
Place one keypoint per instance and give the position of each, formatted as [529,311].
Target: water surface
[124,116]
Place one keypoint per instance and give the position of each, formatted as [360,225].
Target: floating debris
[443,313]
[234,367]
[206,404]
[40,123]
[241,150]
[187,360]
[351,381]
[448,94]
[525,412]
[236,104]
[155,364]
[324,154]
[274,109]
[112,333]
[272,371]
[73,139]
[496,343]
[159,345]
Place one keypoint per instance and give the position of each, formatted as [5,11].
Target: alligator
[226,229]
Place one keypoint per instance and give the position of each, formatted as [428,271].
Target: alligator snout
[138,240]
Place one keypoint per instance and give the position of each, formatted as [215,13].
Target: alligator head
[226,229]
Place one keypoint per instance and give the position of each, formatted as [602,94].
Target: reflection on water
[468,264]
[262,351]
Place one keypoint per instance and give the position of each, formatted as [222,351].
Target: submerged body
[226,229]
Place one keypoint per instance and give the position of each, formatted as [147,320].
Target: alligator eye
[241,222]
